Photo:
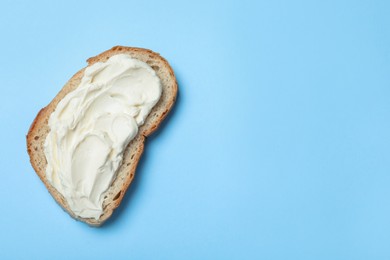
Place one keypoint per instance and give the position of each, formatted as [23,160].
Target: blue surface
[278,147]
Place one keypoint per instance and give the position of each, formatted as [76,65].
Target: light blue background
[278,147]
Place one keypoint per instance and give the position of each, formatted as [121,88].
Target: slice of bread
[113,196]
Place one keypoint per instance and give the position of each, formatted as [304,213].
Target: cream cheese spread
[92,126]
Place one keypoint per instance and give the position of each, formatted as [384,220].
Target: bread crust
[113,196]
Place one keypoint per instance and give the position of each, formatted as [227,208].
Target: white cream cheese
[91,127]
